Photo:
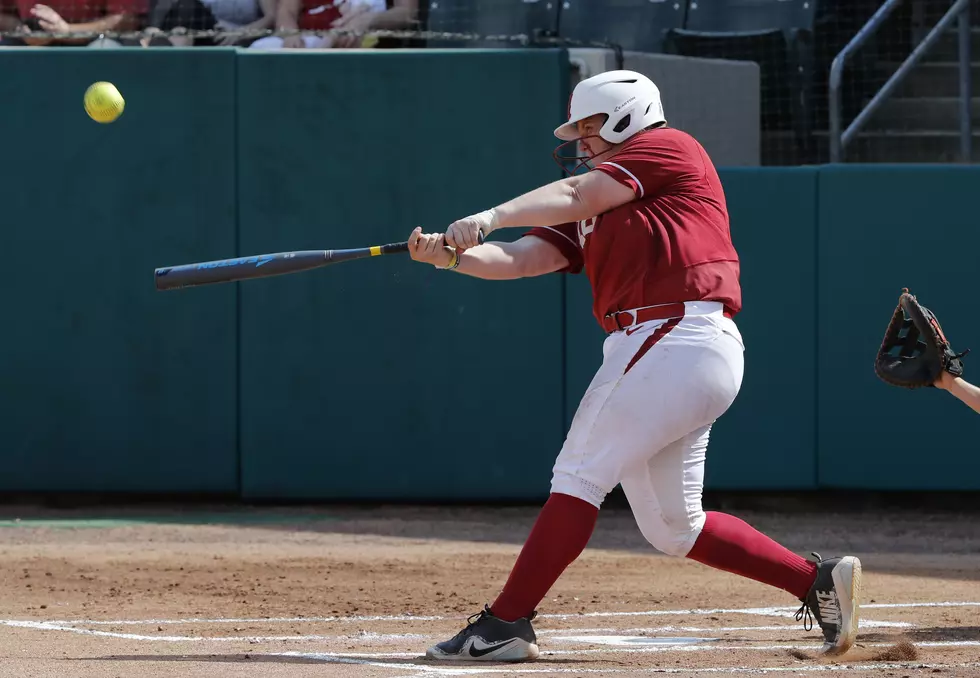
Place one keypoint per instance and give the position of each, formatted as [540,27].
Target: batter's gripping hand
[429,248]
[924,353]
[466,233]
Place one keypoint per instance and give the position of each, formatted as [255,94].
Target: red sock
[729,544]
[560,534]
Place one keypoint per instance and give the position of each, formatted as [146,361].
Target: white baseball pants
[645,419]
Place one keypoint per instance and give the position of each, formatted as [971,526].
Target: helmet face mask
[578,158]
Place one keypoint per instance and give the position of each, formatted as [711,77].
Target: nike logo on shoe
[487,649]
[829,607]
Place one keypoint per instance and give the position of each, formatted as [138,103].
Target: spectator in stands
[357,16]
[68,16]
[233,19]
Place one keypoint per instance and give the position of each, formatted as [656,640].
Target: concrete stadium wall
[716,100]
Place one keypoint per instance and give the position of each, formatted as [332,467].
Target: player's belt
[620,320]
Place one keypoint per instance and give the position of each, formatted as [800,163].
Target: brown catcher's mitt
[922,349]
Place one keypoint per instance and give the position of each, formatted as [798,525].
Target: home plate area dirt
[337,591]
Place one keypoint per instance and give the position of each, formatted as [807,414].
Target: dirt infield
[363,592]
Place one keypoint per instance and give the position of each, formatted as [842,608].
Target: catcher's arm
[964,391]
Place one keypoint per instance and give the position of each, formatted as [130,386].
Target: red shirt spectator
[78,11]
[70,16]
[318,15]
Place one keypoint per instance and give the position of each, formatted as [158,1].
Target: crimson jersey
[672,243]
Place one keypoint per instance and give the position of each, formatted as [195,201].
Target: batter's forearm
[524,258]
[491,261]
[550,205]
[966,393]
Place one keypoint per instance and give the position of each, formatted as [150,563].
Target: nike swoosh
[631,330]
[475,652]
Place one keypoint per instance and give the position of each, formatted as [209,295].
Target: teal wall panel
[107,384]
[385,378]
[883,228]
[767,440]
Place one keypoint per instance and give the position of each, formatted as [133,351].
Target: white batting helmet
[629,99]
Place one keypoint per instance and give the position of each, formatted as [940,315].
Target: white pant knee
[675,538]
[587,491]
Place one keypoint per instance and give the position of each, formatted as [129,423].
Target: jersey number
[584,229]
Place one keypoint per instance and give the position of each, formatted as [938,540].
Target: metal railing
[960,9]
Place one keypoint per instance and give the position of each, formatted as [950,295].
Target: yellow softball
[103,102]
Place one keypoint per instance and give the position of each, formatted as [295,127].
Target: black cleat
[834,601]
[487,638]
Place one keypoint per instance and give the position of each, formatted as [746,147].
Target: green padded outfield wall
[881,229]
[384,378]
[108,385]
[766,440]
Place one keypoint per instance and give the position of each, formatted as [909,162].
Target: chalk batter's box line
[365,638]
[430,672]
[759,611]
[330,656]
[659,649]
[72,626]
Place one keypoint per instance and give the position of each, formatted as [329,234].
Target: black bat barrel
[242,268]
